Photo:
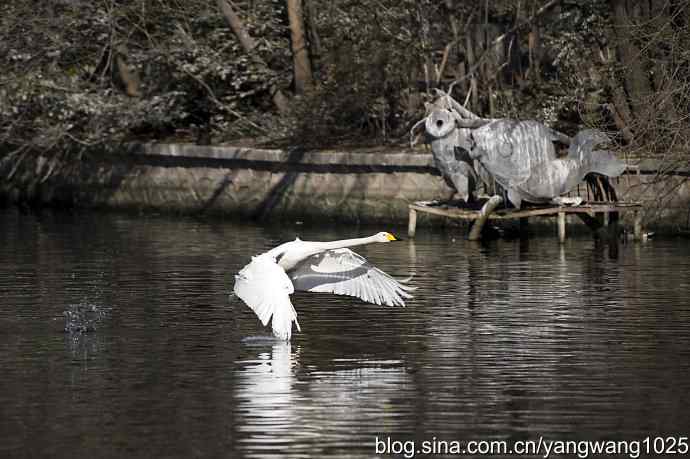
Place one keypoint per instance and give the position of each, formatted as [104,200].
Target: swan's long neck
[345,243]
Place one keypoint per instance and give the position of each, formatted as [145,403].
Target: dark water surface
[510,340]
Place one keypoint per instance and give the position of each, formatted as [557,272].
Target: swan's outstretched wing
[343,272]
[264,287]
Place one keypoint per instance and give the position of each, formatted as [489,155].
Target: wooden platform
[591,209]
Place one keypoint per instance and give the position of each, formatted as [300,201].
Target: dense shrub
[374,65]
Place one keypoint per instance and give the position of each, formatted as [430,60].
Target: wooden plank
[444,212]
[586,212]
[506,214]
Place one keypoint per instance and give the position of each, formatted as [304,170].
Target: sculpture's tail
[599,161]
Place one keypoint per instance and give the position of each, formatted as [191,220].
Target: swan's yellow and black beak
[392,237]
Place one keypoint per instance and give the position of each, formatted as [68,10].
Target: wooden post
[488,207]
[561,227]
[524,227]
[638,225]
[412,223]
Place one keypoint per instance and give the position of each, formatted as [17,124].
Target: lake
[118,339]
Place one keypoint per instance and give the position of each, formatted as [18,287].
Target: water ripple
[119,340]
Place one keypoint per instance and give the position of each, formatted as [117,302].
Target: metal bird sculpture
[521,156]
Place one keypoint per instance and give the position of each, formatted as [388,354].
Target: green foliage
[58,81]
[374,67]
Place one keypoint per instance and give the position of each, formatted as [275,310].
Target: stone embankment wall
[362,186]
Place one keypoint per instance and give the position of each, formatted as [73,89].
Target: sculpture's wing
[343,272]
[266,289]
[584,142]
[602,162]
[503,151]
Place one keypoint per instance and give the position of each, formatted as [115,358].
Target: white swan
[266,283]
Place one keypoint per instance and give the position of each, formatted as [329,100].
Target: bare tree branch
[546,7]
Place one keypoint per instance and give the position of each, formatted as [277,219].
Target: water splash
[83,318]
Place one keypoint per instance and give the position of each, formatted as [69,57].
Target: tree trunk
[248,44]
[300,56]
[125,74]
[620,123]
[235,23]
[636,79]
[313,34]
[534,43]
[469,55]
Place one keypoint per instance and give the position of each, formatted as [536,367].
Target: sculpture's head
[440,123]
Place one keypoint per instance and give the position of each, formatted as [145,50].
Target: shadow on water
[117,339]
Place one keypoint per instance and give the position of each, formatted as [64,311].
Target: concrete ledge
[368,157]
[362,186]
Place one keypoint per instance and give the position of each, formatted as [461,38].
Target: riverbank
[366,185]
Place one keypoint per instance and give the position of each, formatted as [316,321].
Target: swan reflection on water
[266,385]
[277,408]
